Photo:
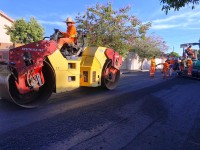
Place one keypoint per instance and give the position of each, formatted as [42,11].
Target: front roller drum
[110,76]
[9,91]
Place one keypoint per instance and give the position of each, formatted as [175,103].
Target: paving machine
[195,60]
[29,74]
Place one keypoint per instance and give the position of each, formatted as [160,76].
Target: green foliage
[35,30]
[111,28]
[175,54]
[177,4]
[25,32]
[149,47]
[198,54]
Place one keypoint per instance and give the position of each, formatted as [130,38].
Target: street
[142,113]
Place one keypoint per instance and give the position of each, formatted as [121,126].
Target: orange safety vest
[189,67]
[189,63]
[165,66]
[172,62]
[70,33]
[188,49]
[153,62]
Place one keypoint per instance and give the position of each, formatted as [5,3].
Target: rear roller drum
[110,76]
[34,98]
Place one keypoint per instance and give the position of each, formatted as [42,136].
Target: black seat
[69,49]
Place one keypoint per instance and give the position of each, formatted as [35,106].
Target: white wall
[4,38]
[132,62]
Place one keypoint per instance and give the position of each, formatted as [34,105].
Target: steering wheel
[57,35]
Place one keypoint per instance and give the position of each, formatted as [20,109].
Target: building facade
[5,42]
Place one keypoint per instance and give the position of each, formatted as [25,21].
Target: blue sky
[175,28]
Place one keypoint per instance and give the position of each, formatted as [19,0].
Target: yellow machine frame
[72,73]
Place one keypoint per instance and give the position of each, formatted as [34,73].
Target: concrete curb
[132,71]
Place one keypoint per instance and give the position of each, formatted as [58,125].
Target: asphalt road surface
[140,114]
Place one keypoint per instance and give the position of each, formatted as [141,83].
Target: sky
[175,28]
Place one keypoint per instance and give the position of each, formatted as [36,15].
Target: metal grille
[85,76]
[94,76]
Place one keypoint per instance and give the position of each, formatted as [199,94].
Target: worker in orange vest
[190,52]
[172,61]
[153,67]
[165,69]
[181,65]
[189,63]
[69,35]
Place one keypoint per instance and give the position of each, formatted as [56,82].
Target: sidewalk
[124,71]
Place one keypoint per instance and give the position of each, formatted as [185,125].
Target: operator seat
[70,49]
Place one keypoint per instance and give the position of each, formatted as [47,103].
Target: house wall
[4,38]
[132,62]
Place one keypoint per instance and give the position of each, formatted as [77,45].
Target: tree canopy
[177,4]
[149,47]
[111,28]
[175,54]
[198,54]
[25,32]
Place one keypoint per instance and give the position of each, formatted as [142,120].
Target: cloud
[56,19]
[193,28]
[183,20]
[52,19]
[187,16]
[164,26]
[57,23]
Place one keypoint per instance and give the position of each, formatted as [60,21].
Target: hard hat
[69,20]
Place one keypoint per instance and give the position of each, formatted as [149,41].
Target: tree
[111,28]
[175,54]
[149,47]
[198,54]
[177,4]
[35,30]
[25,32]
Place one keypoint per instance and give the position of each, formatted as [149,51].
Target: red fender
[115,57]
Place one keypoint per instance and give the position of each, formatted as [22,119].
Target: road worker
[182,64]
[165,69]
[172,61]
[189,64]
[69,35]
[190,52]
[168,60]
[176,64]
[152,67]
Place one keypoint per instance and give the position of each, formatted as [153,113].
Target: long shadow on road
[78,112]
